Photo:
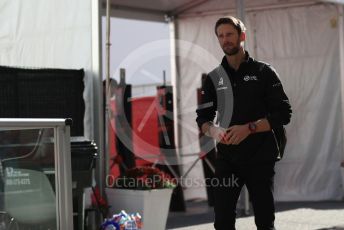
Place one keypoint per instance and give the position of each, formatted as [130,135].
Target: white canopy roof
[158,10]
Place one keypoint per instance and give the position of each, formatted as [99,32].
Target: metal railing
[62,160]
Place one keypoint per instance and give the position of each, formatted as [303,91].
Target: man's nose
[226,39]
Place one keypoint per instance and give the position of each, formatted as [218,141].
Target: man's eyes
[226,35]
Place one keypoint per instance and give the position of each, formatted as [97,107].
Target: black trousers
[258,179]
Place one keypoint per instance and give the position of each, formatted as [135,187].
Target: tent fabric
[199,34]
[158,8]
[302,44]
[214,6]
[35,35]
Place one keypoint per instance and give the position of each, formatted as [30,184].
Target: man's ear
[242,36]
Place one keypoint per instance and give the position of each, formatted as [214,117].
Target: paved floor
[289,216]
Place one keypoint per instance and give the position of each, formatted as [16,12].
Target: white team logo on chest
[221,81]
[221,85]
[250,78]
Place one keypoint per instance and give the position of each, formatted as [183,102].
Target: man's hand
[214,132]
[218,133]
[236,134]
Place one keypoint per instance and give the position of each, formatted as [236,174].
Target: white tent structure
[302,39]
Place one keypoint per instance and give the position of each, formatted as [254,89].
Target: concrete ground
[289,216]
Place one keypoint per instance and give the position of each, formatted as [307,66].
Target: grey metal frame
[97,82]
[62,154]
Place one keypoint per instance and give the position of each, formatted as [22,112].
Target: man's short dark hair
[237,23]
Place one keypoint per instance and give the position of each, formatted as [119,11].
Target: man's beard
[232,51]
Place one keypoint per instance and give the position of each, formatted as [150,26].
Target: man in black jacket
[250,102]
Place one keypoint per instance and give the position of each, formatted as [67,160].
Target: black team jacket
[252,92]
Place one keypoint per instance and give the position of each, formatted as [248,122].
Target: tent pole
[97,93]
[175,82]
[98,117]
[341,60]
[240,10]
[107,88]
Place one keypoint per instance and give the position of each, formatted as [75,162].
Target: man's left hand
[236,134]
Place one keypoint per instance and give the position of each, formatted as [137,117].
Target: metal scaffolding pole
[107,88]
[341,53]
[240,10]
[98,117]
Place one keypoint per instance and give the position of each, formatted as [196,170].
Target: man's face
[229,39]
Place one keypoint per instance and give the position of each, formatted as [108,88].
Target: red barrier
[145,129]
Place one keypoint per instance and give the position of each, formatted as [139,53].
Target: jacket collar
[247,59]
